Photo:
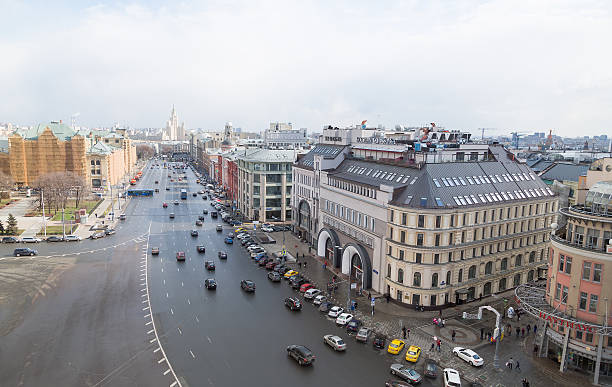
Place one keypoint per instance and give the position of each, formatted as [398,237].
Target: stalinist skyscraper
[174,131]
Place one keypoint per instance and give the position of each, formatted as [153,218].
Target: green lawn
[57,230]
[69,211]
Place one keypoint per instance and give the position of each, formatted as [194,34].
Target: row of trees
[11,226]
[144,151]
[57,187]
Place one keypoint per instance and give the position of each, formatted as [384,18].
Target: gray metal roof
[564,172]
[328,152]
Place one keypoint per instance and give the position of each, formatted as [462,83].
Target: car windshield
[411,372]
[340,342]
[394,345]
[476,357]
[412,352]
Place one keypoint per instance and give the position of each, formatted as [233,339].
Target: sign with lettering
[376,140]
[566,323]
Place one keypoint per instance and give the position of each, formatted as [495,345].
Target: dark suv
[24,251]
[293,303]
[10,240]
[301,354]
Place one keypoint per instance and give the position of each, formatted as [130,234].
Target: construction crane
[483,131]
[515,138]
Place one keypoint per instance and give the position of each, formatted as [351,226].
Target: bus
[140,192]
[184,194]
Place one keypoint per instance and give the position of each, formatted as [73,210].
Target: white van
[451,378]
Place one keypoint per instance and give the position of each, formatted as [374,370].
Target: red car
[180,255]
[270,265]
[165,205]
[305,287]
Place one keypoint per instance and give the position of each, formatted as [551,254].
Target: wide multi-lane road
[106,312]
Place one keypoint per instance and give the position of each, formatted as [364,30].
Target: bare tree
[78,186]
[58,187]
[6,182]
[144,151]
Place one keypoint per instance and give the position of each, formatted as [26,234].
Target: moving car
[335,311]
[406,373]
[343,319]
[396,346]
[363,335]
[180,256]
[335,342]
[210,284]
[24,251]
[72,238]
[318,300]
[110,231]
[30,240]
[274,276]
[413,353]
[198,223]
[201,217]
[201,248]
[311,293]
[379,342]
[353,325]
[290,274]
[210,265]
[176,202]
[194,233]
[451,378]
[430,368]
[219,228]
[122,217]
[247,285]
[154,250]
[469,356]
[293,303]
[194,194]
[229,240]
[222,255]
[301,354]
[54,238]
[172,215]
[205,212]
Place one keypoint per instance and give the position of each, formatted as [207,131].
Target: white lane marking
[149,323]
[162,269]
[164,282]
[147,315]
[145,301]
[166,295]
[144,295]
[171,311]
[182,285]
[189,302]
[149,332]
[179,330]
[152,340]
[192,355]
[161,360]
[167,371]
[209,340]
[173,384]
[197,319]
[143,290]
[145,308]
[158,348]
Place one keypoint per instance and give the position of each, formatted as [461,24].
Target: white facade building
[281,135]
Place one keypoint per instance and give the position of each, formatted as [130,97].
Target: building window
[434,280]
[400,276]
[593,303]
[421,222]
[419,239]
[404,218]
[438,221]
[472,272]
[403,236]
[504,264]
[597,272]
[437,240]
[389,270]
[579,335]
[589,337]
[401,255]
[518,261]
[417,279]
[436,259]
[564,295]
[418,257]
[583,301]
[93,162]
[489,268]
[561,262]
[460,276]
[448,278]
[558,292]
[568,265]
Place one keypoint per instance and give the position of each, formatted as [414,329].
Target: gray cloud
[499,64]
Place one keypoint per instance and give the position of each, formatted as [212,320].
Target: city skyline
[486,64]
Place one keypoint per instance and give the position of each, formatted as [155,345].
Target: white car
[254,247]
[30,240]
[451,378]
[72,238]
[469,356]
[267,229]
[318,300]
[335,342]
[243,235]
[335,311]
[311,293]
[344,318]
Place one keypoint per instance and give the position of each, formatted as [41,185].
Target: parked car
[413,353]
[24,251]
[9,239]
[97,235]
[335,311]
[406,373]
[247,285]
[72,238]
[379,342]
[122,217]
[318,300]
[270,265]
[430,368]
[335,342]
[290,274]
[274,276]
[396,346]
[451,378]
[293,303]
[344,319]
[301,354]
[198,223]
[311,293]
[469,356]
[180,256]
[363,335]
[353,325]
[110,231]
[30,240]
[172,215]
[397,383]
[210,265]
[210,284]
[306,286]
[201,248]
[325,307]
[222,255]
[154,250]
[281,269]
[53,238]
[296,281]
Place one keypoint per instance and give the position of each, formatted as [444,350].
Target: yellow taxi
[291,273]
[413,353]
[396,346]
[239,230]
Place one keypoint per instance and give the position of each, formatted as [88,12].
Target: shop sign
[563,322]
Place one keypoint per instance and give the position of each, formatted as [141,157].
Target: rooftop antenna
[73,119]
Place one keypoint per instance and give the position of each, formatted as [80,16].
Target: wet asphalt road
[91,329]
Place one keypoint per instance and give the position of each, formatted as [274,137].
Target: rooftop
[60,130]
[267,155]
[564,171]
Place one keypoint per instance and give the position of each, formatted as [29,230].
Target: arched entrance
[326,242]
[356,261]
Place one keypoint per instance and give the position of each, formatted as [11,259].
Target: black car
[194,194]
[293,303]
[201,248]
[24,251]
[247,285]
[379,342]
[201,218]
[210,265]
[167,188]
[205,212]
[353,325]
[281,269]
[54,238]
[210,284]
[194,233]
[301,354]
[10,240]
[274,276]
[222,255]
[296,282]
[430,368]
[214,214]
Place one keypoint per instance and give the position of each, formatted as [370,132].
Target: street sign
[353,285]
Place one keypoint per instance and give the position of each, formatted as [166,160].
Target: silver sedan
[335,342]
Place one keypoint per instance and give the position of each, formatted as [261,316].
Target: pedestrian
[388,297]
[523,332]
[439,343]
[300,264]
[481,333]
[509,330]
[369,296]
[517,330]
[489,336]
[404,332]
[528,329]
[535,328]
[408,331]
[432,347]
[525,382]
[305,263]
[518,366]
[443,323]
[453,335]
[518,316]
[510,363]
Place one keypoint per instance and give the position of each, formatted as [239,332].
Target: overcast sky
[510,65]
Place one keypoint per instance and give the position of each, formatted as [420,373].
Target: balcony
[560,237]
